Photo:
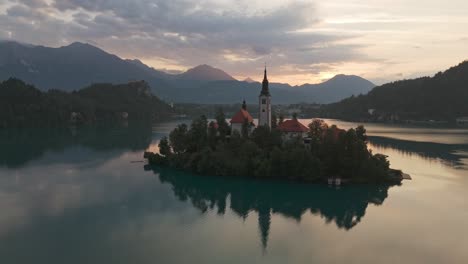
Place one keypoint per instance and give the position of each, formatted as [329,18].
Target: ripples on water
[84,196]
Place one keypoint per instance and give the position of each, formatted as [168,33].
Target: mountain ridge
[78,65]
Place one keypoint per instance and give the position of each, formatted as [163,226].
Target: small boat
[406,176]
[338,181]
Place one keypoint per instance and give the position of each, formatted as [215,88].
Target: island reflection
[345,206]
[451,154]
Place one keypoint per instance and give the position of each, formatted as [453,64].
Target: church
[264,114]
[290,128]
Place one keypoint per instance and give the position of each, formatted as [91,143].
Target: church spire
[265,89]
[264,100]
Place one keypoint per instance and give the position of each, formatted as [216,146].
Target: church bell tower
[264,116]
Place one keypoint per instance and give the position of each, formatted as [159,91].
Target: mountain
[150,70]
[226,92]
[70,67]
[78,65]
[249,80]
[334,89]
[205,73]
[441,97]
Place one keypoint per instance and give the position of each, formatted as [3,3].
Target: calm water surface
[84,196]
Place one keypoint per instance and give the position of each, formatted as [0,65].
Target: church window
[263,110]
[263,101]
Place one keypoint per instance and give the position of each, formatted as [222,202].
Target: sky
[301,41]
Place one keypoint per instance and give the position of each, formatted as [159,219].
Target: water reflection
[452,154]
[345,207]
[69,197]
[19,146]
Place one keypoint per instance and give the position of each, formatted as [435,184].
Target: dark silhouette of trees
[223,126]
[332,152]
[441,97]
[23,105]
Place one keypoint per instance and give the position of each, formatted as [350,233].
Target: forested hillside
[441,97]
[24,105]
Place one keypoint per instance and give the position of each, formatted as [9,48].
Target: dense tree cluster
[206,148]
[442,97]
[24,105]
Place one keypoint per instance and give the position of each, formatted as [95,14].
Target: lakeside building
[264,115]
[293,129]
[241,117]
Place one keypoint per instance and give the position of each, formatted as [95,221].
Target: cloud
[236,37]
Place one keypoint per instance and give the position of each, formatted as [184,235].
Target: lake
[85,196]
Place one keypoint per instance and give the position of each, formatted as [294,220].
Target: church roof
[241,116]
[292,125]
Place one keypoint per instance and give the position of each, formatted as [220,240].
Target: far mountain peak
[206,73]
[249,80]
[346,78]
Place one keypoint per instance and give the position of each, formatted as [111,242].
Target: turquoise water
[85,196]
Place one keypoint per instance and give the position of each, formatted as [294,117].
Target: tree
[336,153]
[294,116]
[261,135]
[212,134]
[164,148]
[281,119]
[361,133]
[274,121]
[198,134]
[223,126]
[317,127]
[179,138]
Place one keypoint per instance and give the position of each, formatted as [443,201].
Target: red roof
[292,125]
[241,116]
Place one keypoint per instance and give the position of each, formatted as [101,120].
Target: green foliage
[274,121]
[179,139]
[280,119]
[266,138]
[441,97]
[24,105]
[265,154]
[316,128]
[212,134]
[164,148]
[361,133]
[223,126]
[198,134]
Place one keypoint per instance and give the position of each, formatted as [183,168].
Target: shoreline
[396,177]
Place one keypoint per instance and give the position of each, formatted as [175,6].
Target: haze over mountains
[78,65]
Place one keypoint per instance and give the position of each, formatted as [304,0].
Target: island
[327,152]
[273,148]
[321,153]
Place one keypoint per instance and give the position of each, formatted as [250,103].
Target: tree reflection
[344,206]
[427,150]
[18,146]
